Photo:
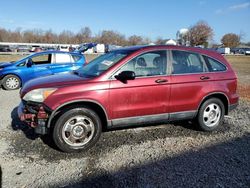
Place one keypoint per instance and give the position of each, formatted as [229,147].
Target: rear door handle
[158,81]
[204,77]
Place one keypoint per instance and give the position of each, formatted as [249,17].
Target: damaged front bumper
[35,115]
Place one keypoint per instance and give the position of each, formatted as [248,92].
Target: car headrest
[141,62]
[157,61]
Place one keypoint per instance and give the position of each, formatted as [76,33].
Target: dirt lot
[172,155]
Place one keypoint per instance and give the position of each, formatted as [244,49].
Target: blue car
[14,74]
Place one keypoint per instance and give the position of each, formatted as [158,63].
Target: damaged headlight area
[38,95]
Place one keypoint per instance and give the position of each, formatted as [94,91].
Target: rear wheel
[211,114]
[11,82]
[77,130]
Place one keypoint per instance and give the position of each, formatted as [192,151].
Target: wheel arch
[93,105]
[14,74]
[219,95]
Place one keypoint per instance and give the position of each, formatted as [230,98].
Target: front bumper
[34,115]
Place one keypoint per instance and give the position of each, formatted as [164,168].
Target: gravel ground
[172,155]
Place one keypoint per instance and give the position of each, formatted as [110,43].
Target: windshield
[102,63]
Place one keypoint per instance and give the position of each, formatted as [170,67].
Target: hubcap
[78,131]
[211,115]
[12,83]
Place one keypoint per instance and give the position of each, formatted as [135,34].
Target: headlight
[38,95]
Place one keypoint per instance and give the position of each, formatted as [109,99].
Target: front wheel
[211,114]
[11,82]
[77,129]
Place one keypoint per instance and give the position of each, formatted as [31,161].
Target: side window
[186,62]
[147,64]
[76,58]
[22,64]
[62,58]
[41,59]
[214,65]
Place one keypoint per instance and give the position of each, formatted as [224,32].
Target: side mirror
[29,63]
[125,75]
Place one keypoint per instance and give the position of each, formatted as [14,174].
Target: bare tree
[84,35]
[230,40]
[16,36]
[66,37]
[111,37]
[4,35]
[135,40]
[160,41]
[50,37]
[200,33]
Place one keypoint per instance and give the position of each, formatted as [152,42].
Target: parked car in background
[86,48]
[246,51]
[23,48]
[128,87]
[63,48]
[99,48]
[14,75]
[223,50]
[235,51]
[5,48]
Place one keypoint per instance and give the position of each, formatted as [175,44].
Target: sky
[148,18]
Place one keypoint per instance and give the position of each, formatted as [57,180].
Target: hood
[57,80]
[5,64]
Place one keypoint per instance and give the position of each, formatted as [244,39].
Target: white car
[247,51]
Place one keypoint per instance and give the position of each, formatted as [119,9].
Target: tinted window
[41,59]
[186,62]
[148,64]
[214,65]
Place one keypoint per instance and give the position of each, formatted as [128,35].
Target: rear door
[189,81]
[148,94]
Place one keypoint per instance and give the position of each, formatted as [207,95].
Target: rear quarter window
[214,65]
[76,58]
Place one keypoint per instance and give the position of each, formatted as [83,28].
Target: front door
[146,96]
[41,65]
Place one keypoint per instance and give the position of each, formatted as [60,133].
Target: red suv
[130,86]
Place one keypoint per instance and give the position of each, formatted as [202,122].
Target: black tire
[62,138]
[210,107]
[9,86]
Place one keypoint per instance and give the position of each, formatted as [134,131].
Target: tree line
[68,37]
[199,34]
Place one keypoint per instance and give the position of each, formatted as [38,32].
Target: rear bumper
[35,116]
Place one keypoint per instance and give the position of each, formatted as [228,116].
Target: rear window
[214,65]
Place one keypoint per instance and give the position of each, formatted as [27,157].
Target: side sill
[150,119]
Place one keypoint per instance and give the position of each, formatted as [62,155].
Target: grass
[241,64]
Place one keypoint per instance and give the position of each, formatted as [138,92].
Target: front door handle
[158,81]
[204,77]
